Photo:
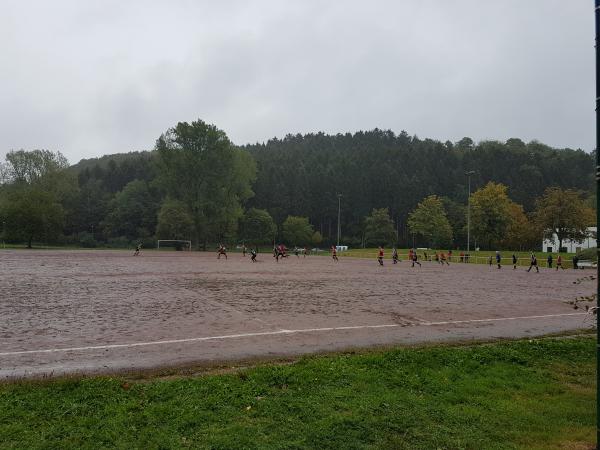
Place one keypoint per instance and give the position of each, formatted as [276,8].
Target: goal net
[177,244]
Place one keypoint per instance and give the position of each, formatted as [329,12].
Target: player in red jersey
[380,256]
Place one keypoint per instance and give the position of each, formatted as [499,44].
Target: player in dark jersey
[222,250]
[533,263]
[415,259]
[137,249]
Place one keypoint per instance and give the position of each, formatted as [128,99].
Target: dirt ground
[101,311]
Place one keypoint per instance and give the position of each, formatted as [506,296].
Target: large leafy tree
[564,213]
[30,213]
[379,228]
[429,221]
[257,227]
[132,213]
[490,213]
[456,213]
[521,232]
[37,189]
[297,231]
[174,221]
[200,167]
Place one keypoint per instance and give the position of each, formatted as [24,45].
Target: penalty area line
[273,333]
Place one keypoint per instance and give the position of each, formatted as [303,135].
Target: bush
[589,254]
[119,242]
[86,240]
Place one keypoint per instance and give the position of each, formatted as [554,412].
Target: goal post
[175,243]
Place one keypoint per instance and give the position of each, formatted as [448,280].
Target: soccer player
[443,259]
[415,259]
[221,251]
[490,260]
[281,252]
[559,262]
[334,253]
[137,249]
[253,253]
[498,260]
[244,250]
[549,259]
[380,256]
[533,263]
[395,255]
[304,252]
[514,258]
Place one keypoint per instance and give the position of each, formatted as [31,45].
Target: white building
[571,246]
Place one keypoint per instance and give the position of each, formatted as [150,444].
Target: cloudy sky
[100,76]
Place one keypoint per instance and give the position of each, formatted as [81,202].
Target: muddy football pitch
[64,312]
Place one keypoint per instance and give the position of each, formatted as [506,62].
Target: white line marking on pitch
[272,333]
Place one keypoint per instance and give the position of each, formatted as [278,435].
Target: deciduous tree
[490,213]
[297,231]
[564,213]
[174,221]
[257,227]
[429,221]
[200,166]
[379,228]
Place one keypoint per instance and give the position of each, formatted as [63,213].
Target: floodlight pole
[339,196]
[468,174]
[597,14]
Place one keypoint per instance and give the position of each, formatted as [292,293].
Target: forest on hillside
[388,188]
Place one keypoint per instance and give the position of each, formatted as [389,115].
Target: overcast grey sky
[93,77]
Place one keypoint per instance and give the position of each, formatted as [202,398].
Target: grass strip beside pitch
[522,394]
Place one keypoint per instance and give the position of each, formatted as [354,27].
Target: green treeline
[395,189]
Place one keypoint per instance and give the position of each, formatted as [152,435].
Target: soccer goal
[177,244]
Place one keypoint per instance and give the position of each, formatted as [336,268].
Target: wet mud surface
[56,300]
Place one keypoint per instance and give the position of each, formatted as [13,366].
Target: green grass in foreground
[525,394]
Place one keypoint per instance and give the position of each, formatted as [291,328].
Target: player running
[415,259]
[253,253]
[222,250]
[533,263]
[498,260]
[395,255]
[443,259]
[514,258]
[334,253]
[559,263]
[280,252]
[549,261]
[380,256]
